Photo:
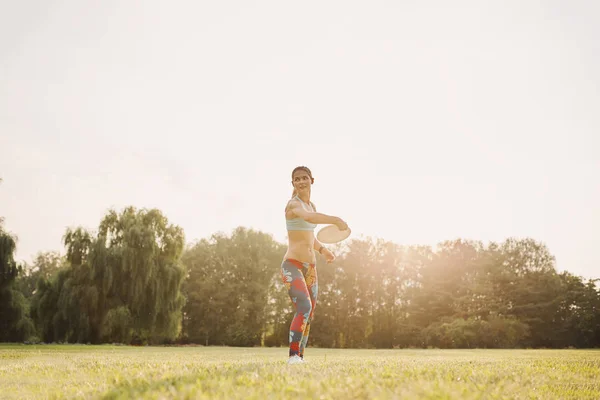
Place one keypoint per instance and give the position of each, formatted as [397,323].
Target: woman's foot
[295,359]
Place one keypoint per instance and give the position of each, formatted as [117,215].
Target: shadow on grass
[168,387]
[210,381]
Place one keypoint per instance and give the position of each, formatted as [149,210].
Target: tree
[578,316]
[123,284]
[44,266]
[227,287]
[136,263]
[531,289]
[15,324]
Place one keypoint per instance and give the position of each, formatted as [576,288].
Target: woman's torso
[301,237]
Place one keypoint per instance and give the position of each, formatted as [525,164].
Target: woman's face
[301,181]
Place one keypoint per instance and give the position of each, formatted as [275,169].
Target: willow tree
[121,285]
[136,262]
[15,324]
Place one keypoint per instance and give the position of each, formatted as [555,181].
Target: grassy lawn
[120,372]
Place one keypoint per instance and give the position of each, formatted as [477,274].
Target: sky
[421,121]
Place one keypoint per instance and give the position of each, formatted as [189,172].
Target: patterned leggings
[300,279]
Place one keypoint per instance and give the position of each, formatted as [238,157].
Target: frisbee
[332,234]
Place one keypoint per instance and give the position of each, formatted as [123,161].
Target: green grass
[120,372]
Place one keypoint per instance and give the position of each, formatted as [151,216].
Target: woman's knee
[304,306]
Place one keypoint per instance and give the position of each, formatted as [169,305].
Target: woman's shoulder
[295,202]
[290,204]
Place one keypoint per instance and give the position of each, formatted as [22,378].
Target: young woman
[298,269]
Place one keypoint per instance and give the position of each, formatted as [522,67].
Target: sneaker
[295,359]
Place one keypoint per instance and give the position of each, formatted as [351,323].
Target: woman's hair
[302,167]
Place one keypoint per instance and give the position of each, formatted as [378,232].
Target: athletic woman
[298,269]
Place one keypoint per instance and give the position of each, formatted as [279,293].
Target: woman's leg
[310,276]
[293,278]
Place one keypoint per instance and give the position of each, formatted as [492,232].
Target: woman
[298,269]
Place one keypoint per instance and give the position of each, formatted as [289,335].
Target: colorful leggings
[300,279]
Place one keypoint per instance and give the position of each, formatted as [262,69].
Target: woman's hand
[341,224]
[329,256]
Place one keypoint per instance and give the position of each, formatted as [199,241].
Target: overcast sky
[421,121]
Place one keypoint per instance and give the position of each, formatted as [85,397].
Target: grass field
[119,372]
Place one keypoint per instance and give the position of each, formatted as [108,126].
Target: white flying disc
[332,234]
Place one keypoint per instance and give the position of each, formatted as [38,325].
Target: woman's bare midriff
[301,246]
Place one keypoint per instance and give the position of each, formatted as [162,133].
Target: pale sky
[421,121]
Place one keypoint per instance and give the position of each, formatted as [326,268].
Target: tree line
[135,281]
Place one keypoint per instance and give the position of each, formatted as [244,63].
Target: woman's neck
[304,197]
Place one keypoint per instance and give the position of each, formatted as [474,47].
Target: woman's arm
[325,252]
[318,246]
[315,217]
